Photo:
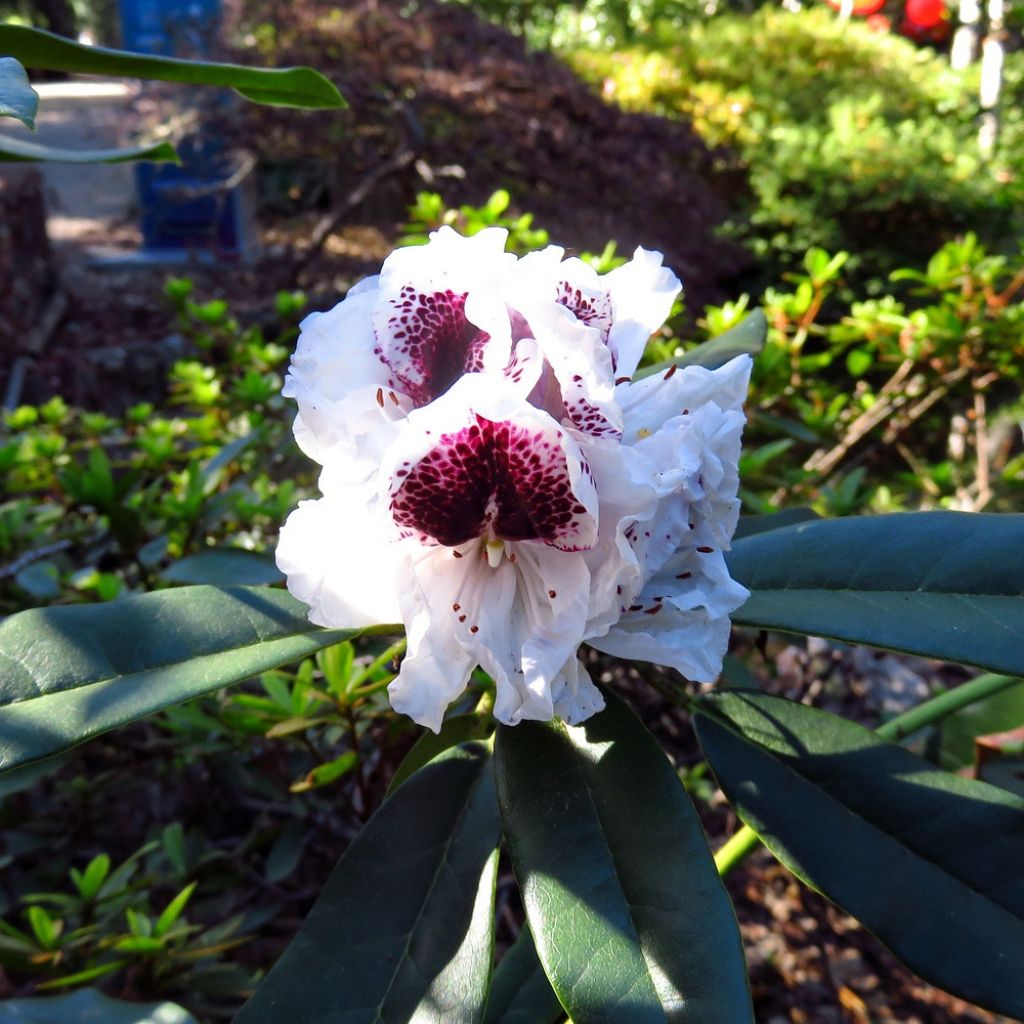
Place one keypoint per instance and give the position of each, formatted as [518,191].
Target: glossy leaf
[749,525]
[403,928]
[19,150]
[629,916]
[72,672]
[224,567]
[746,338]
[455,730]
[87,1004]
[941,584]
[928,861]
[17,98]
[520,990]
[288,87]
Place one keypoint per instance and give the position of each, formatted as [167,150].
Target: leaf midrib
[442,861]
[726,724]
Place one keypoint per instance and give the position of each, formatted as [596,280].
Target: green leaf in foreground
[941,584]
[87,1004]
[403,928]
[629,916]
[520,990]
[746,338]
[17,98]
[224,567]
[20,151]
[928,861]
[72,672]
[287,87]
[455,730]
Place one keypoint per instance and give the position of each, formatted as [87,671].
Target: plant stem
[396,650]
[742,843]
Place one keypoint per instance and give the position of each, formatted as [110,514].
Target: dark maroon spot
[705,551]
[428,343]
[683,575]
[456,606]
[668,373]
[623,380]
[495,478]
[474,629]
[652,611]
[552,594]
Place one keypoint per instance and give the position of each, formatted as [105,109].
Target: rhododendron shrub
[501,484]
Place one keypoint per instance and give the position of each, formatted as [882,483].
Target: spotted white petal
[576,697]
[481,462]
[338,383]
[441,312]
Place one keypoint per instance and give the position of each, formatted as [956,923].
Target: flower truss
[494,478]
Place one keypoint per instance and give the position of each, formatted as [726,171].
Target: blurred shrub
[852,139]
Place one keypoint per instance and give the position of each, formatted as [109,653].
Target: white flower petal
[576,697]
[642,292]
[339,562]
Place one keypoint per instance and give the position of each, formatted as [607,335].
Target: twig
[327,224]
[13,568]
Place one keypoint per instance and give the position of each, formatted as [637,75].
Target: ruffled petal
[340,386]
[441,312]
[642,292]
[576,697]
[339,561]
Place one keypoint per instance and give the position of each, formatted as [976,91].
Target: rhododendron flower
[495,480]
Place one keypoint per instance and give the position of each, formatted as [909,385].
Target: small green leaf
[627,910]
[224,567]
[330,771]
[403,928]
[520,991]
[173,910]
[284,855]
[928,861]
[17,98]
[940,584]
[20,150]
[288,87]
[72,672]
[89,882]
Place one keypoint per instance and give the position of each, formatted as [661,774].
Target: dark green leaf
[89,1004]
[749,525]
[746,338]
[288,87]
[520,990]
[629,916]
[224,567]
[403,928]
[929,861]
[17,98]
[455,730]
[941,584]
[18,150]
[69,673]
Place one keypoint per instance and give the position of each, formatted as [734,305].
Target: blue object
[169,28]
[187,210]
[190,208]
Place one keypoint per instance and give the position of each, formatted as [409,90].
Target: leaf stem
[396,650]
[742,843]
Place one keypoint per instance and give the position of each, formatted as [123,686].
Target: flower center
[499,480]
[426,341]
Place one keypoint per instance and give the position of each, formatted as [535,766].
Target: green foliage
[107,921]
[902,400]
[851,139]
[835,803]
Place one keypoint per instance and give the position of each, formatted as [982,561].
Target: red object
[879,23]
[925,13]
[862,8]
